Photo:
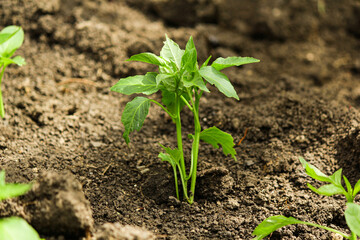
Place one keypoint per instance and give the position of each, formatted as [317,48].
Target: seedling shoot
[11,38]
[182,83]
[334,187]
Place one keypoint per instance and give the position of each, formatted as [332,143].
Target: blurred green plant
[14,228]
[11,38]
[334,186]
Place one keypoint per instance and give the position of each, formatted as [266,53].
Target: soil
[62,128]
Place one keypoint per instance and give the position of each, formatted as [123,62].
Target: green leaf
[206,62]
[18,60]
[167,158]
[175,154]
[167,80]
[221,63]
[327,190]
[8,47]
[4,37]
[313,172]
[168,99]
[15,228]
[215,136]
[11,190]
[2,178]
[352,216]
[134,115]
[172,52]
[145,84]
[348,186]
[189,59]
[336,177]
[2,110]
[148,58]
[220,80]
[356,188]
[194,79]
[272,224]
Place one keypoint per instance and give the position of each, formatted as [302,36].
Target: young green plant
[14,228]
[11,38]
[181,83]
[352,212]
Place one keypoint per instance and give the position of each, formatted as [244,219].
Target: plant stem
[160,105]
[195,147]
[2,111]
[176,182]
[182,168]
[353,236]
[331,230]
[187,103]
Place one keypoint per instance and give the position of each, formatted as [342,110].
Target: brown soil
[62,122]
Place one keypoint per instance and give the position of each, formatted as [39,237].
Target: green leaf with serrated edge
[194,79]
[145,84]
[148,58]
[206,62]
[134,115]
[327,190]
[215,136]
[220,80]
[313,172]
[8,47]
[16,228]
[352,216]
[172,52]
[175,154]
[11,190]
[221,63]
[167,80]
[348,185]
[189,59]
[356,188]
[272,224]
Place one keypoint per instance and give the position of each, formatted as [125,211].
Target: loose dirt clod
[116,231]
[58,206]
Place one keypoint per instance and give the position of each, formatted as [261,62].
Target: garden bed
[62,122]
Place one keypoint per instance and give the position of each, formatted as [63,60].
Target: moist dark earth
[63,127]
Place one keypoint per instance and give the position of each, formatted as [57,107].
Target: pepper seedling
[352,212]
[181,83]
[11,38]
[14,228]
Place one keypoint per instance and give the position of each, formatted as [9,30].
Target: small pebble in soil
[232,203]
